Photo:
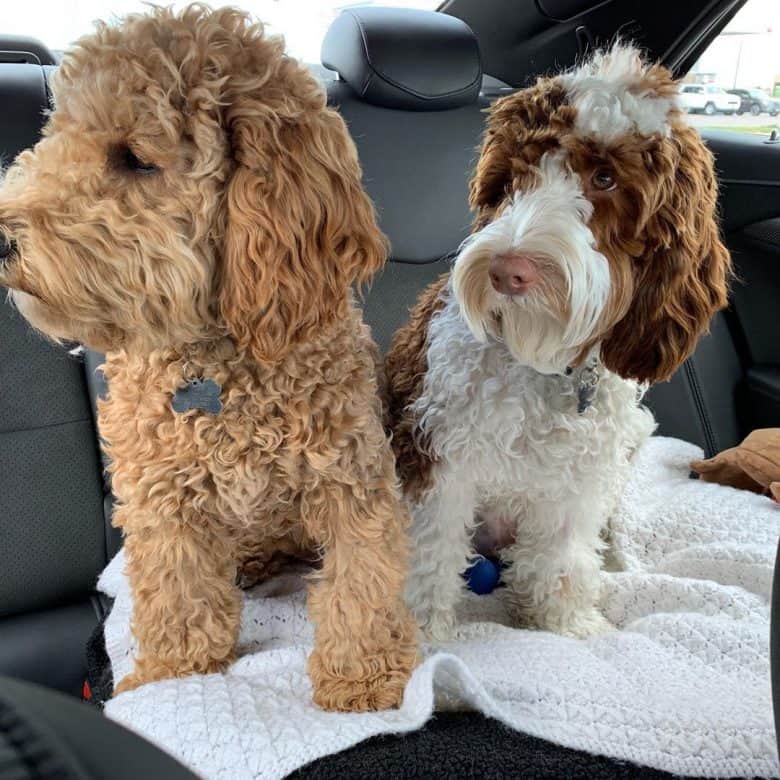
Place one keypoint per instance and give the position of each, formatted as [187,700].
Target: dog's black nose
[6,247]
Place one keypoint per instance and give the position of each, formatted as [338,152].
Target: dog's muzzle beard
[547,325]
[22,280]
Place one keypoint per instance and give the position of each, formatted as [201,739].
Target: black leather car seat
[53,534]
[408,85]
[703,402]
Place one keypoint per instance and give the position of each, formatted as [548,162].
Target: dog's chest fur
[514,430]
[282,431]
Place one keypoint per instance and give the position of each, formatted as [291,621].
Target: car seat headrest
[405,58]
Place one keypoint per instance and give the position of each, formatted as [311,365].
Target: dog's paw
[382,692]
[132,681]
[438,626]
[143,676]
[145,673]
[383,689]
[581,625]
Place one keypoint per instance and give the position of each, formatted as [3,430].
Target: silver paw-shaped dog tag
[587,387]
[198,394]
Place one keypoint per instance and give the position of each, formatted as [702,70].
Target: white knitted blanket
[682,685]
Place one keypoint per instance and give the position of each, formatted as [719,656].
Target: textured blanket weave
[682,685]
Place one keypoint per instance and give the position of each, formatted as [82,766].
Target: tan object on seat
[753,465]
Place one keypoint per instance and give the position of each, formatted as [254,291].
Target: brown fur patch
[682,276]
[520,129]
[405,367]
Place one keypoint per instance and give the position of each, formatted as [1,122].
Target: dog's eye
[131,162]
[602,180]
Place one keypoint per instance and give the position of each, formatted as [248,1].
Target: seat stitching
[49,425]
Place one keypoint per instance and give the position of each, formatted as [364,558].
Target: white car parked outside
[708,99]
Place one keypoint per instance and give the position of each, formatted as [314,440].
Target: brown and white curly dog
[195,210]
[594,266]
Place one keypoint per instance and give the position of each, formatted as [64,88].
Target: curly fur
[195,210]
[405,369]
[595,180]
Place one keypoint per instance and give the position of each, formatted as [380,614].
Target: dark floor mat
[468,745]
[99,675]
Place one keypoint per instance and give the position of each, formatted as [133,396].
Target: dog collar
[198,394]
[587,383]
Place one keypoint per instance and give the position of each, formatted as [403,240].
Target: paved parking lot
[746,121]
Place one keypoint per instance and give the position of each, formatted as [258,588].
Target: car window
[302,22]
[742,65]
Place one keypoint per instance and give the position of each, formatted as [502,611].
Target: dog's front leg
[186,606]
[365,639]
[553,576]
[441,539]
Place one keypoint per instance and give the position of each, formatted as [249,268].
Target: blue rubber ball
[482,576]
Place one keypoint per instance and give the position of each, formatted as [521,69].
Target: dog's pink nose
[513,274]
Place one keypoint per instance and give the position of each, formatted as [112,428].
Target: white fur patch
[610,99]
[548,223]
[508,441]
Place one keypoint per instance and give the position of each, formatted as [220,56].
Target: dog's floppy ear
[491,178]
[682,279]
[298,227]
[505,155]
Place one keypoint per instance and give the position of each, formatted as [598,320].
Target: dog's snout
[513,274]
[6,247]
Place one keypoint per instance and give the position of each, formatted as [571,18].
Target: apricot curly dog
[195,210]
